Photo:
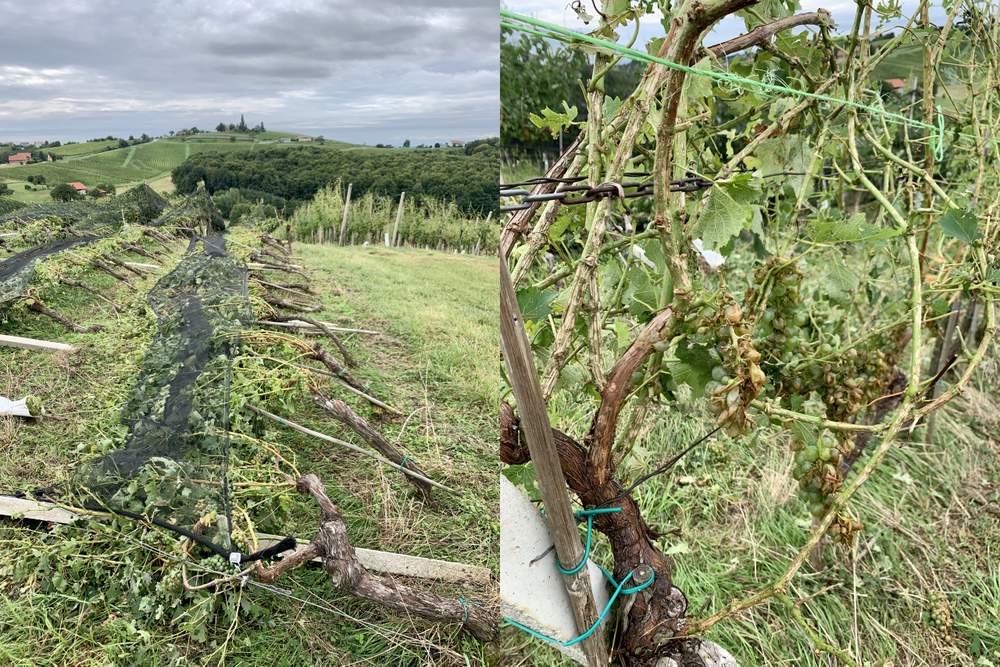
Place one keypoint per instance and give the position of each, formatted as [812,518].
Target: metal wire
[625,190]
[566,187]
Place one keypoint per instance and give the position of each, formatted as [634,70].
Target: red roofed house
[896,84]
[79,187]
[19,158]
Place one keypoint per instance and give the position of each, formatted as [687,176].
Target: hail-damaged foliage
[173,461]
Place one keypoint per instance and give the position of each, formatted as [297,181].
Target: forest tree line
[295,175]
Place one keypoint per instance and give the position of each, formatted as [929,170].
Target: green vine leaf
[852,230]
[535,304]
[728,211]
[693,367]
[554,121]
[960,224]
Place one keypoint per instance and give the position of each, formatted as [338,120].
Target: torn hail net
[66,226]
[172,466]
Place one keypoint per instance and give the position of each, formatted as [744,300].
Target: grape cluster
[939,615]
[816,468]
[782,326]
[816,471]
[855,378]
[737,377]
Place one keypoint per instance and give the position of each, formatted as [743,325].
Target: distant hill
[92,163]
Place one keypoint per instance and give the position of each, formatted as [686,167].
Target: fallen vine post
[328,331]
[292,305]
[41,308]
[345,415]
[348,575]
[321,355]
[549,471]
[343,443]
[357,392]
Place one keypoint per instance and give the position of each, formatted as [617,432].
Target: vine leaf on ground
[960,224]
[728,211]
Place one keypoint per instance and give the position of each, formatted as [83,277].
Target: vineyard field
[91,164]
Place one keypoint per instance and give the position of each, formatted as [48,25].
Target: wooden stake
[343,223]
[33,344]
[343,443]
[399,217]
[548,471]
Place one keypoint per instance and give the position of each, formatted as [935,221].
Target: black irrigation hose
[234,557]
[286,544]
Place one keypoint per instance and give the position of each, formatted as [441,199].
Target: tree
[122,143]
[242,127]
[5,189]
[406,143]
[64,192]
[221,127]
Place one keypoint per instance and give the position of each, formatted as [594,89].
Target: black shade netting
[71,224]
[17,270]
[173,464]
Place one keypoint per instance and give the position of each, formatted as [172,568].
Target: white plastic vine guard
[535,594]
[11,408]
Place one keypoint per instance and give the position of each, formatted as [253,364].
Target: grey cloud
[290,64]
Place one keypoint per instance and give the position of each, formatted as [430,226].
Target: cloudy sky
[366,72]
[560,12]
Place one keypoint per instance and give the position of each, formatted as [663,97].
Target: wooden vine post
[548,470]
[399,217]
[343,222]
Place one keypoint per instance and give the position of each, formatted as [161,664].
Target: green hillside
[83,148]
[92,164]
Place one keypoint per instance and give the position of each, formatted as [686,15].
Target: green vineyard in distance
[92,163]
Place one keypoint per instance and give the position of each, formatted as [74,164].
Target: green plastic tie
[589,515]
[465,610]
[619,590]
[553,31]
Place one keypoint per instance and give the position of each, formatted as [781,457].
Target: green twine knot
[402,463]
[465,610]
[939,142]
[580,516]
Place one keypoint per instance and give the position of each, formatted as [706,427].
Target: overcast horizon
[426,70]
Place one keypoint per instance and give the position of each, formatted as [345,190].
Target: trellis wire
[553,31]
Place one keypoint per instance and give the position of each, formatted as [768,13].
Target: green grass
[446,386]
[35,195]
[932,528]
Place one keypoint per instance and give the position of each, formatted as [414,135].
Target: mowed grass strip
[434,359]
